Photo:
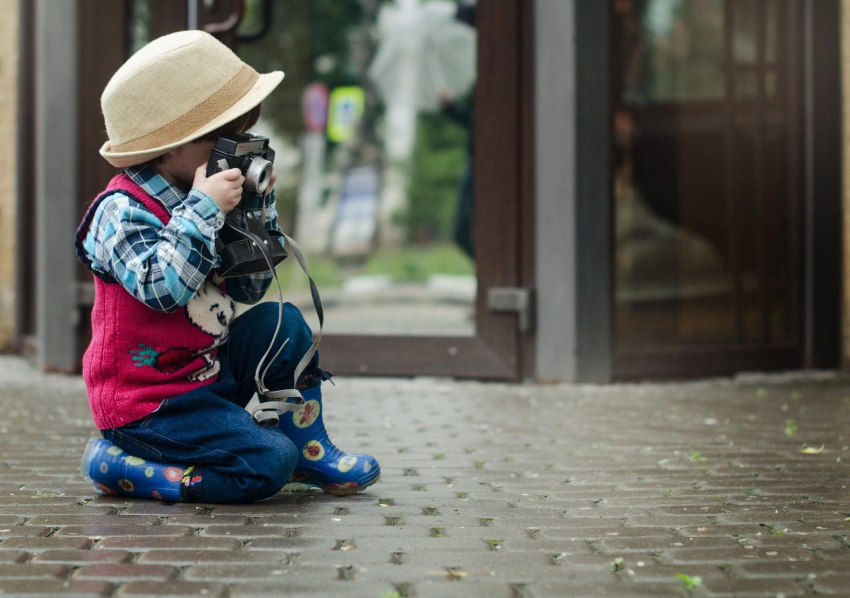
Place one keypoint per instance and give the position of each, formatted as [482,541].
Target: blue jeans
[210,428]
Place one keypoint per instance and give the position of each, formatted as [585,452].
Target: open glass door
[397,158]
[707,191]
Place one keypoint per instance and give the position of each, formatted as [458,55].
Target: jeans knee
[277,465]
[293,326]
[296,328]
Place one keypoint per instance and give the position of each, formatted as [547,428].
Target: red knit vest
[138,357]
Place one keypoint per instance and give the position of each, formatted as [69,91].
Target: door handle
[228,24]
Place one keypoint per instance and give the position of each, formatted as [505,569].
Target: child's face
[182,162]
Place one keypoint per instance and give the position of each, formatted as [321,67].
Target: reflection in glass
[373,128]
[138,25]
[701,173]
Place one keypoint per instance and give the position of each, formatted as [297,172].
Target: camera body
[249,153]
[253,248]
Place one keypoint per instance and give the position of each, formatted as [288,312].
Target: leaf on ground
[617,564]
[812,450]
[689,582]
[696,456]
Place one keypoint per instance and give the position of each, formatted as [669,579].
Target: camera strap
[267,413]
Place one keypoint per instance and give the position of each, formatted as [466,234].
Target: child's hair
[240,124]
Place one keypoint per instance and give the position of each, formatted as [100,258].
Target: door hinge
[518,300]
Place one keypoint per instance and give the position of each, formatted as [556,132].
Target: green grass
[406,264]
[417,264]
[689,582]
[323,270]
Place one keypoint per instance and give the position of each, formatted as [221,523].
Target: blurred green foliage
[332,41]
[439,160]
[409,264]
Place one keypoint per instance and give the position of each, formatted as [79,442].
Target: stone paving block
[330,520]
[206,520]
[669,572]
[290,544]
[106,531]
[55,587]
[30,571]
[8,504]
[659,534]
[13,556]
[83,557]
[82,520]
[739,554]
[380,531]
[120,572]
[191,557]
[150,507]
[226,573]
[145,543]
[35,545]
[23,531]
[46,509]
[832,553]
[647,543]
[482,533]
[609,590]
[140,589]
[716,531]
[601,561]
[792,569]
[235,531]
[836,584]
[10,520]
[299,587]
[752,588]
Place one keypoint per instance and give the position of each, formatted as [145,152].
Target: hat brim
[258,92]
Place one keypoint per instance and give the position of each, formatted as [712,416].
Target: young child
[169,371]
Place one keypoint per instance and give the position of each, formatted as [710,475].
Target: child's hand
[224,188]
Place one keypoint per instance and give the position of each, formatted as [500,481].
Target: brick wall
[8,132]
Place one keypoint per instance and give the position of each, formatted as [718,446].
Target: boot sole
[86,461]
[347,491]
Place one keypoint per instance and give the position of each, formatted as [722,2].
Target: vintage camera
[249,153]
[250,249]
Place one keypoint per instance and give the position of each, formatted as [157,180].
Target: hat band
[202,114]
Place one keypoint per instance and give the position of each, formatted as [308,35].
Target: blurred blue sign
[314,107]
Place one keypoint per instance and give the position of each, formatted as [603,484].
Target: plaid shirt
[164,266]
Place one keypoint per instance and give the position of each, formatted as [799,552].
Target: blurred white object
[367,283]
[423,50]
[456,286]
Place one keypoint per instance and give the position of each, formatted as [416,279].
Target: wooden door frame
[503,205]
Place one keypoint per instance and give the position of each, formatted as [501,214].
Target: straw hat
[176,89]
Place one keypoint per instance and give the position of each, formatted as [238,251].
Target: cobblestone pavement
[488,490]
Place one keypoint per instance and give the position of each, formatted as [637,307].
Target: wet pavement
[719,488]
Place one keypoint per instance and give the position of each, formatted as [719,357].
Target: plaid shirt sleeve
[251,288]
[161,265]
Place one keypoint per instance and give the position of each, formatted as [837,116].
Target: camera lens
[258,175]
